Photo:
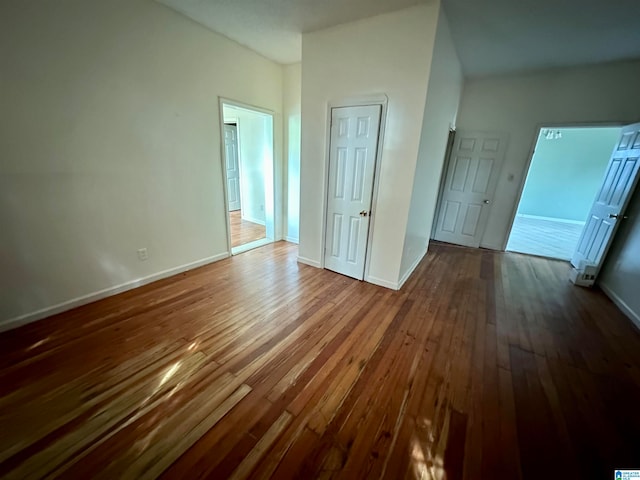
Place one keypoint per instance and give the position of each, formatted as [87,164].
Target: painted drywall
[566,172]
[441,108]
[292,91]
[110,142]
[518,104]
[253,142]
[384,55]
[620,277]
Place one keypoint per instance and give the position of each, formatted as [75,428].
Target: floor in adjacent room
[244,231]
[484,366]
[546,238]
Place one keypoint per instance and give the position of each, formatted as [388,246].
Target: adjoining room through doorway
[248,157]
[565,174]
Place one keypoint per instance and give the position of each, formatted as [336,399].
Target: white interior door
[353,146]
[470,182]
[233,167]
[608,208]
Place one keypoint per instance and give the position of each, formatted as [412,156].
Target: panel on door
[353,148]
[233,166]
[467,192]
[607,211]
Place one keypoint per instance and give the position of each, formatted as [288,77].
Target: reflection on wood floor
[243,231]
[484,366]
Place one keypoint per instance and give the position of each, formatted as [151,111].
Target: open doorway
[565,174]
[248,164]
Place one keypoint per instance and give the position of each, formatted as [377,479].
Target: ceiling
[499,36]
[274,28]
[491,36]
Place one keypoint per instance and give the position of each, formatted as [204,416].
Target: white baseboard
[550,219]
[621,304]
[107,292]
[408,273]
[493,246]
[292,239]
[381,282]
[308,261]
[254,220]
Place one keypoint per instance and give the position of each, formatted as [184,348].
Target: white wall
[441,108]
[387,54]
[292,79]
[253,138]
[110,142]
[620,277]
[517,104]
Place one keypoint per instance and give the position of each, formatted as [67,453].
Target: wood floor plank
[80,400]
[484,366]
[166,450]
[252,458]
[537,434]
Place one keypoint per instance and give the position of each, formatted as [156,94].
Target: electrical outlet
[262,208]
[143,254]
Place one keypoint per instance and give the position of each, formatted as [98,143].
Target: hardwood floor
[243,231]
[484,366]
[546,238]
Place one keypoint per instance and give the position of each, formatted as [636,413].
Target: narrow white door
[608,208]
[233,168]
[470,182]
[353,145]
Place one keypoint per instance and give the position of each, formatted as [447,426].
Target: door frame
[359,101]
[532,151]
[451,140]
[235,103]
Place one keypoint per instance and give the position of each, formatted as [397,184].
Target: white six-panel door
[608,208]
[470,182]
[233,168]
[353,146]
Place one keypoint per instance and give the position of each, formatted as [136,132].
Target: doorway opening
[565,174]
[247,133]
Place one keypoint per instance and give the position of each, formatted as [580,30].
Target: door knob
[364,213]
[486,202]
[617,215]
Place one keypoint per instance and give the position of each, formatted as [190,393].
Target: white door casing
[607,211]
[352,157]
[233,166]
[470,182]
